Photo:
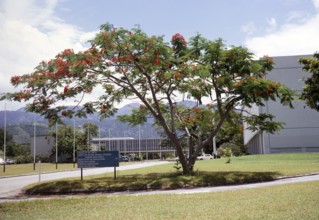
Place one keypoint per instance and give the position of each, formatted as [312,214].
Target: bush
[235,149]
[26,158]
[44,158]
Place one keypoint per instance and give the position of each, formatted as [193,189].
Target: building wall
[43,144]
[255,144]
[131,145]
[248,134]
[301,129]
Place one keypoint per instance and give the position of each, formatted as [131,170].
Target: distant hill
[20,124]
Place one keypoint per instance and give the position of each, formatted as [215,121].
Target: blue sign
[89,159]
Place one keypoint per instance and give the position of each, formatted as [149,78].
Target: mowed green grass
[283,164]
[245,169]
[21,169]
[291,201]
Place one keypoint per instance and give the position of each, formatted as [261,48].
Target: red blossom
[26,94]
[67,52]
[115,59]
[178,38]
[15,80]
[178,75]
[60,62]
[62,72]
[157,62]
[66,89]
[268,58]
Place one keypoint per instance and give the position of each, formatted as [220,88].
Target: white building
[301,129]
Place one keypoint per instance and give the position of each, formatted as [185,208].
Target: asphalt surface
[11,187]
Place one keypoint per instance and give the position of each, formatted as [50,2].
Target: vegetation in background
[68,136]
[20,152]
[310,91]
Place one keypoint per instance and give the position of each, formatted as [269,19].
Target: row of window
[134,145]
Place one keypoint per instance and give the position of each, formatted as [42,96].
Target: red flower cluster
[178,38]
[15,80]
[26,94]
[67,52]
[269,59]
[60,62]
[157,62]
[66,89]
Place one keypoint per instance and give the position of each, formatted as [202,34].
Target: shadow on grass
[150,182]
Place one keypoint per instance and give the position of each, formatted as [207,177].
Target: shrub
[44,158]
[25,158]
[236,150]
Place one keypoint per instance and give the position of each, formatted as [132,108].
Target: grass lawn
[292,201]
[20,169]
[245,169]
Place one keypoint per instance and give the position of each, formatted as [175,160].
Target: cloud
[31,32]
[272,23]
[295,37]
[249,28]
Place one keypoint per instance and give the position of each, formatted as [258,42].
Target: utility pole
[34,141]
[56,145]
[139,141]
[5,137]
[74,143]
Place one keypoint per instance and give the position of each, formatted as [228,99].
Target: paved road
[12,186]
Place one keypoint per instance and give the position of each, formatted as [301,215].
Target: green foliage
[310,90]
[8,138]
[231,132]
[226,150]
[235,150]
[177,166]
[228,154]
[44,158]
[67,137]
[263,122]
[13,149]
[24,158]
[131,64]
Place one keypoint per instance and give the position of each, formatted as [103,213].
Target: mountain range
[20,124]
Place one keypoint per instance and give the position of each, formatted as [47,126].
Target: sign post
[91,159]
[39,170]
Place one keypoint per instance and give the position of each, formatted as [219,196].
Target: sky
[36,30]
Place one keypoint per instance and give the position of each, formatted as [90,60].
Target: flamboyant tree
[130,64]
[310,91]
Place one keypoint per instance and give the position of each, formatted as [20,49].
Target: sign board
[89,159]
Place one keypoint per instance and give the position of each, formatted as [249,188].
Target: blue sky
[35,30]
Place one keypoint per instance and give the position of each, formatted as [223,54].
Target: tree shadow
[152,181]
